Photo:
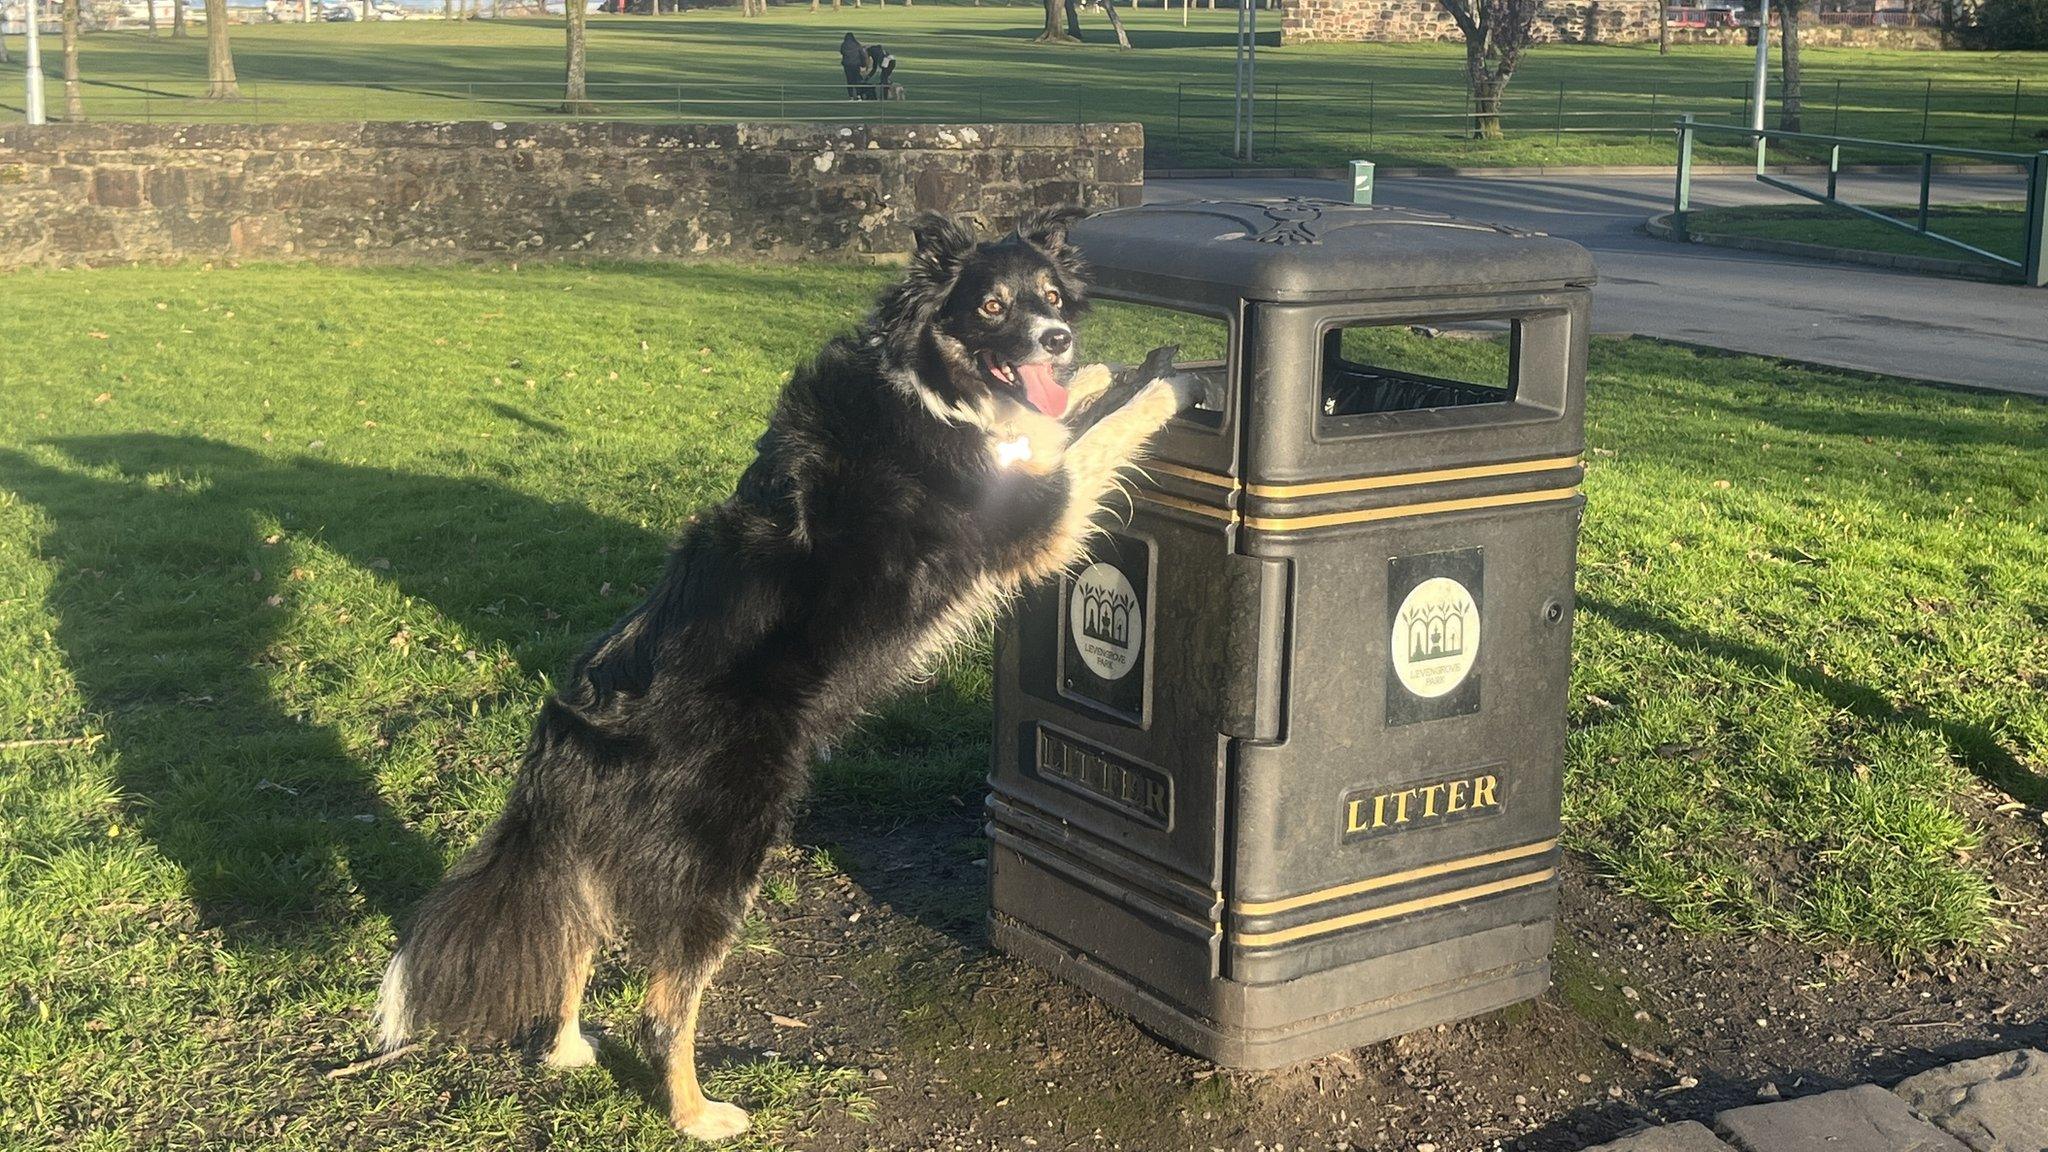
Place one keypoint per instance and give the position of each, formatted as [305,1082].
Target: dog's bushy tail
[491,951]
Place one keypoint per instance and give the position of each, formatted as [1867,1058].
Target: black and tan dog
[913,476]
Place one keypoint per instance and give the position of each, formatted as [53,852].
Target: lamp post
[1763,63]
[32,65]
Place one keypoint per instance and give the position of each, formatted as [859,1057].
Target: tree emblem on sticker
[1106,622]
[1436,637]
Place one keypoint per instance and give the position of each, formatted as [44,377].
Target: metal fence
[1293,123]
[2032,262]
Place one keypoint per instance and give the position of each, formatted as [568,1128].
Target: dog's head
[974,324]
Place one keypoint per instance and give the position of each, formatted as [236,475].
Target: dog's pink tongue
[1045,393]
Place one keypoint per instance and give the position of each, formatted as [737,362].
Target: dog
[913,476]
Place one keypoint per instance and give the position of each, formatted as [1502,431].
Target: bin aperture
[1277,767]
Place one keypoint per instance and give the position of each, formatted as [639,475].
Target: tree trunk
[178,31]
[1054,33]
[1073,8]
[74,102]
[1486,90]
[1116,23]
[220,62]
[152,22]
[575,93]
[447,9]
[1789,103]
[1663,29]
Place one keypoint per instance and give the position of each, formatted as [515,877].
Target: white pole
[1763,64]
[32,66]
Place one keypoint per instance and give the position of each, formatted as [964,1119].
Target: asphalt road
[1872,319]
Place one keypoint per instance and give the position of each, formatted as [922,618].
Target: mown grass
[1996,228]
[292,552]
[1324,104]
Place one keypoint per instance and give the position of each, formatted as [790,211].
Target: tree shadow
[172,610]
[1977,747]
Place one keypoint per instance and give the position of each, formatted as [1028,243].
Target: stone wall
[1561,21]
[1411,21]
[111,193]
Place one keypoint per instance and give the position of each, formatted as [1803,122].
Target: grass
[292,552]
[1996,228]
[1398,104]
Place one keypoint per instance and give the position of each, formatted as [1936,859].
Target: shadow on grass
[1976,747]
[162,598]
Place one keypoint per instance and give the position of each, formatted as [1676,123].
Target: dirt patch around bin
[887,967]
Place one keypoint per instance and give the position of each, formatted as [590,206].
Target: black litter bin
[1277,769]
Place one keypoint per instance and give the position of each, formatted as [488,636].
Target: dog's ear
[1047,227]
[942,242]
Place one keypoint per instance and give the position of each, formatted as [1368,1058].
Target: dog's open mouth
[1042,388]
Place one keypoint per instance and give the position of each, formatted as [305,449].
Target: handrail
[2032,264]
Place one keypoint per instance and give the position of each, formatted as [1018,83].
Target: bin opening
[1120,332]
[1375,368]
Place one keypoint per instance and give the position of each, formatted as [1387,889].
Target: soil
[888,965]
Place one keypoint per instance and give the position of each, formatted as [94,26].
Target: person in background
[853,61]
[881,63]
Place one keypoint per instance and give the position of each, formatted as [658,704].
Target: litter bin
[1277,767]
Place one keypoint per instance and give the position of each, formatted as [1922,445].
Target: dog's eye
[1053,297]
[991,307]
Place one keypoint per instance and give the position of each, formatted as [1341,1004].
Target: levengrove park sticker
[1433,635]
[1106,621]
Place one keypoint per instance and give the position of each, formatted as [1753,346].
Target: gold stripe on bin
[1404,479]
[1390,880]
[1390,911]
[1213,479]
[1401,511]
[1227,515]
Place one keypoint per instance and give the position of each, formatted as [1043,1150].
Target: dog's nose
[1056,340]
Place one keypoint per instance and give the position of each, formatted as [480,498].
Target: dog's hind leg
[681,959]
[573,1049]
[670,1032]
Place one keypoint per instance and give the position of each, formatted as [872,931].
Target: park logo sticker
[1434,614]
[1106,621]
[1436,637]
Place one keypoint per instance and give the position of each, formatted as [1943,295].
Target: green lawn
[1996,228]
[287,555]
[1323,104]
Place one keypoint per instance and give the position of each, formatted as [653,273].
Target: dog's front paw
[715,1120]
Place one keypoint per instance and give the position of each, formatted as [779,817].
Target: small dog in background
[912,477]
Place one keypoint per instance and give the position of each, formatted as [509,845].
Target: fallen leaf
[97,335]
[380,562]
[271,540]
[103,397]
[275,601]
[1723,484]
[781,1021]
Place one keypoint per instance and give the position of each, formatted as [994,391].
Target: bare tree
[220,62]
[576,94]
[1496,32]
[1789,103]
[74,101]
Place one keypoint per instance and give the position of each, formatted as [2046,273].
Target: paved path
[1873,319]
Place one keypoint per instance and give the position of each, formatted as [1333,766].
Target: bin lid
[1301,250]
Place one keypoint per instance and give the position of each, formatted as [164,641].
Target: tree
[152,19]
[220,63]
[74,102]
[1496,32]
[576,94]
[1788,57]
[178,31]
[1054,33]
[1663,28]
